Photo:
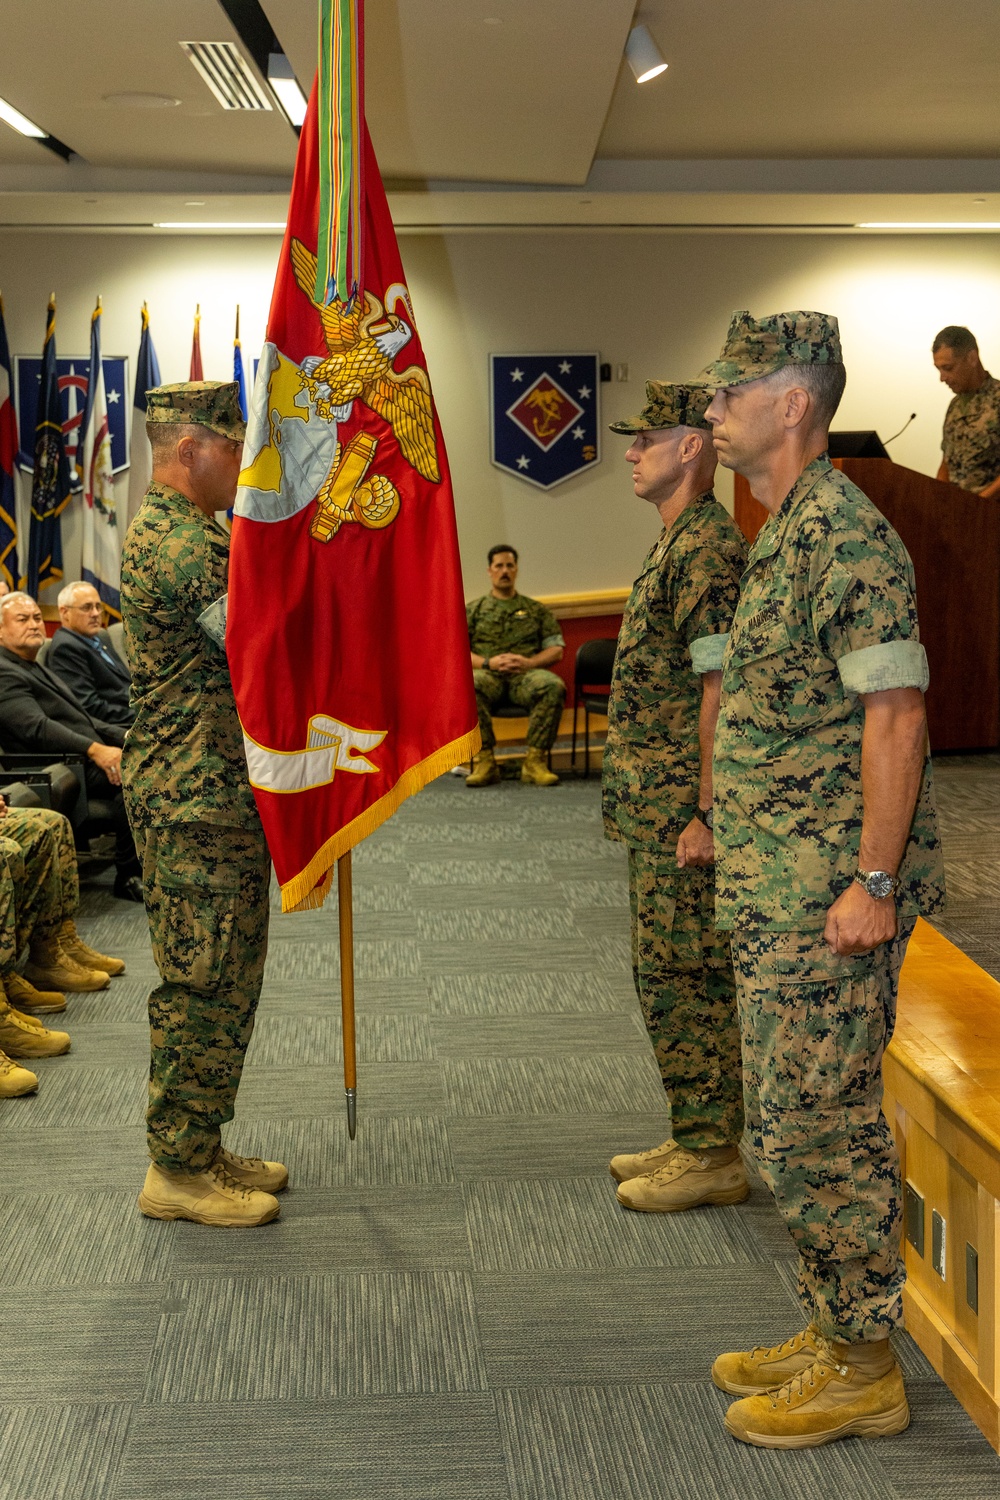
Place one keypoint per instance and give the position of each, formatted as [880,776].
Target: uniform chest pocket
[756,645]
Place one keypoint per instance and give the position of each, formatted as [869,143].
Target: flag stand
[346,913]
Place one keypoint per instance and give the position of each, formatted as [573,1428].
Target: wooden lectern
[953,538]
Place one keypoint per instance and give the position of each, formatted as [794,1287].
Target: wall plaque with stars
[544,419]
[73,377]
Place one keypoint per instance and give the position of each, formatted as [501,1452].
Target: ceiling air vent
[228,75]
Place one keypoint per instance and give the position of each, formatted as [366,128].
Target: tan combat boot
[214,1197]
[26,998]
[761,1369]
[641,1163]
[688,1179]
[269,1176]
[74,947]
[850,1390]
[22,1036]
[50,967]
[15,1081]
[484,770]
[535,771]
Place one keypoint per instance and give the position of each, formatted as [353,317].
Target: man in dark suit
[38,713]
[82,655]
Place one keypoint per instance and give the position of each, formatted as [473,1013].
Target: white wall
[659,302]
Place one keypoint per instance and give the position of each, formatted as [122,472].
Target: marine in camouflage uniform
[38,846]
[21,1035]
[206,868]
[827,614]
[674,629]
[970,442]
[524,627]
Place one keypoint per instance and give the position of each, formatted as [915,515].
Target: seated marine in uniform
[514,640]
[81,654]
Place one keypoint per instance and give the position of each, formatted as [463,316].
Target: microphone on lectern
[887,441]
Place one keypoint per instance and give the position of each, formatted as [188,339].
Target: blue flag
[8,454]
[50,481]
[239,372]
[147,378]
[101,547]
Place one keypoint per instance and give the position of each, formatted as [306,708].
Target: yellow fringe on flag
[311,886]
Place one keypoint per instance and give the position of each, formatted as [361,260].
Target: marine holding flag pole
[50,480]
[345,499]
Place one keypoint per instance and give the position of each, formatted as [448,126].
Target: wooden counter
[942,1098]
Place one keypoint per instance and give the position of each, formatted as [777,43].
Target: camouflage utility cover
[520,624]
[205,403]
[686,593]
[183,760]
[970,442]
[828,598]
[669,406]
[756,347]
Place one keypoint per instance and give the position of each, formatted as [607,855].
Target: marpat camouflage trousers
[541,694]
[815,1027]
[38,847]
[206,893]
[684,980]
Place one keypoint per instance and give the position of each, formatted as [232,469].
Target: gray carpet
[453,1306]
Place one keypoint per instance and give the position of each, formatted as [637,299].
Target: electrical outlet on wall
[621,372]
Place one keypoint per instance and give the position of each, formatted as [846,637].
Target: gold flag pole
[345,903]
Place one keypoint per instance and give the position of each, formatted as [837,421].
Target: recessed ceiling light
[929,224]
[141,101]
[19,122]
[643,55]
[195,203]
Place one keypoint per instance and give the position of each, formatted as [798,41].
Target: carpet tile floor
[453,1307]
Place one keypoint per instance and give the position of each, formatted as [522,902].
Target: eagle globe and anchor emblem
[293,456]
[293,453]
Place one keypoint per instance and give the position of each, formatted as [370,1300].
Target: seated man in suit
[38,713]
[82,655]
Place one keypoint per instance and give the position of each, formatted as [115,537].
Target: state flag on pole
[239,369]
[346,636]
[101,545]
[196,372]
[8,456]
[147,378]
[50,480]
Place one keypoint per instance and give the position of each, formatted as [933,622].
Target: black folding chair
[591,671]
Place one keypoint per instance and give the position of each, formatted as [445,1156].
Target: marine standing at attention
[657,793]
[514,640]
[970,442]
[206,869]
[826,849]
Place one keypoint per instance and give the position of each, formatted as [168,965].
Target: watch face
[879,884]
[709,818]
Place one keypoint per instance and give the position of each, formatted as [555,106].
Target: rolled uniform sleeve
[703,611]
[551,635]
[864,615]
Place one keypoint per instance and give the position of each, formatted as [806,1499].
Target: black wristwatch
[704,815]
